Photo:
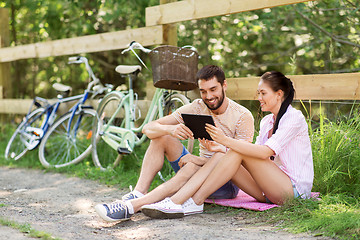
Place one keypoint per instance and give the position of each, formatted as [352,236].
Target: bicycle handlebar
[95,84]
[191,47]
[77,59]
[136,45]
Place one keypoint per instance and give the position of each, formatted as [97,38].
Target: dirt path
[63,207]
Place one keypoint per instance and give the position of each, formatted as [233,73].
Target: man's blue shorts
[227,191]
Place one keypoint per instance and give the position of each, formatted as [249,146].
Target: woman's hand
[216,134]
[212,146]
[191,158]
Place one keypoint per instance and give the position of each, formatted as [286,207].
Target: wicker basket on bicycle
[174,68]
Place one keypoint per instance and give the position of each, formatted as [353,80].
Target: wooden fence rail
[91,43]
[195,9]
[343,86]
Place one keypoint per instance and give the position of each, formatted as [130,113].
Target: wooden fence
[161,29]
[345,86]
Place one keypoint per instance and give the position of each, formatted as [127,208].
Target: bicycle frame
[76,107]
[51,112]
[41,116]
[128,137]
[124,138]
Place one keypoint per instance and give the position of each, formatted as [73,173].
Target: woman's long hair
[278,81]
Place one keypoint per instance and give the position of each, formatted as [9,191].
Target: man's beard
[221,100]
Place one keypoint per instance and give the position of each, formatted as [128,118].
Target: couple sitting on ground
[276,168]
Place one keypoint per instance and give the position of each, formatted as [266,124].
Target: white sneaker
[190,207]
[163,209]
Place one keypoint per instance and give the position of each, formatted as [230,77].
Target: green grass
[26,228]
[329,217]
[336,153]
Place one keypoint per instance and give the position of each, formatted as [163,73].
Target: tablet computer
[196,123]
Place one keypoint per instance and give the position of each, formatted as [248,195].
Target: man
[234,120]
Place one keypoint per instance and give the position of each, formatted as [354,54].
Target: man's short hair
[209,71]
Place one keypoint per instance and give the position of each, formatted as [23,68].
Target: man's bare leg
[172,186]
[154,159]
[167,188]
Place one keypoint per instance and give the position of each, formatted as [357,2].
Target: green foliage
[38,21]
[336,153]
[251,43]
[315,37]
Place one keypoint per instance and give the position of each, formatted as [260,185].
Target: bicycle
[39,125]
[114,130]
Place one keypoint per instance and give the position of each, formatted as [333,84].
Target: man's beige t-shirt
[236,122]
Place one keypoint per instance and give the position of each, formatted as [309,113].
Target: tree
[312,37]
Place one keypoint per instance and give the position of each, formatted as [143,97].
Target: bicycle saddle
[126,69]
[61,87]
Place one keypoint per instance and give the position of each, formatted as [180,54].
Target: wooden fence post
[170,30]
[5,83]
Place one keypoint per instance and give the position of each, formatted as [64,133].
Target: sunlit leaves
[247,43]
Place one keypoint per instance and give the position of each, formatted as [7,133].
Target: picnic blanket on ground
[244,200]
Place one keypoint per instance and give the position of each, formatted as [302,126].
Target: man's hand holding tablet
[196,123]
[181,132]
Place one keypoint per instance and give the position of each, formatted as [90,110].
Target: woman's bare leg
[197,180]
[166,189]
[261,176]
[246,183]
[274,183]
[174,184]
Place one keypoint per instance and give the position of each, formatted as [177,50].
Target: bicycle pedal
[123,150]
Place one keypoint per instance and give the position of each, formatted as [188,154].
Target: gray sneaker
[113,212]
[129,196]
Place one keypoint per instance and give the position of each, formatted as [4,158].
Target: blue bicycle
[64,141]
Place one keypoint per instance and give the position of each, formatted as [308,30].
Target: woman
[278,167]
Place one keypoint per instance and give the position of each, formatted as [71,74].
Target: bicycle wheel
[60,148]
[174,102]
[26,136]
[104,156]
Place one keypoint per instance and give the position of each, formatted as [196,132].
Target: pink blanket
[243,200]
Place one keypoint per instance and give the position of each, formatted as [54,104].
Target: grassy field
[336,151]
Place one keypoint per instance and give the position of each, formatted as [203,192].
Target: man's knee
[165,139]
